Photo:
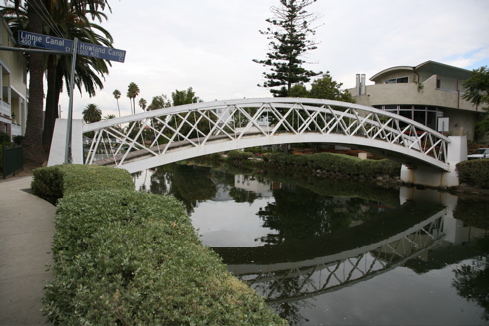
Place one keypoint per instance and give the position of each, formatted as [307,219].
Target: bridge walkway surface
[26,233]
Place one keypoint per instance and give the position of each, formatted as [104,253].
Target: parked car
[479,153]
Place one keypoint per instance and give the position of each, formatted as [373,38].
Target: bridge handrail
[252,102]
[232,120]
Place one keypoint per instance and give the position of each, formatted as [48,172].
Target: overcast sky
[209,44]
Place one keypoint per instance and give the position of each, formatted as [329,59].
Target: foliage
[54,182]
[471,280]
[132,93]
[473,212]
[338,163]
[323,88]
[117,96]
[18,139]
[289,40]
[128,258]
[184,97]
[4,138]
[475,172]
[477,87]
[477,92]
[159,102]
[92,113]
[239,155]
[67,21]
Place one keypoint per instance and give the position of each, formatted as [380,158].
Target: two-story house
[13,85]
[424,93]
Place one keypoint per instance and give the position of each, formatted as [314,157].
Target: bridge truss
[167,135]
[332,273]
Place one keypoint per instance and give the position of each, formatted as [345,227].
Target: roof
[432,67]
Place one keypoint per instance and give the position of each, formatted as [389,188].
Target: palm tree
[109,116]
[92,113]
[142,104]
[132,93]
[36,11]
[117,96]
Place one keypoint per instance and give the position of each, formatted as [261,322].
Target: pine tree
[289,34]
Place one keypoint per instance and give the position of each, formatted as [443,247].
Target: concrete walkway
[26,233]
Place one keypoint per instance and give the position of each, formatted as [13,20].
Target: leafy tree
[184,97]
[117,96]
[132,93]
[477,87]
[159,102]
[92,113]
[327,88]
[289,33]
[477,92]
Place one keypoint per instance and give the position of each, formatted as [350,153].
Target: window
[400,80]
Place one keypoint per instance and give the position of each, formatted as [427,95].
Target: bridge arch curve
[158,137]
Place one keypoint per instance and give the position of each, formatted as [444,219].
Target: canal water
[325,251]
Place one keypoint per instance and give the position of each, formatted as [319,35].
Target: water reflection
[312,244]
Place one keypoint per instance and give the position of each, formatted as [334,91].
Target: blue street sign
[101,52]
[65,45]
[45,41]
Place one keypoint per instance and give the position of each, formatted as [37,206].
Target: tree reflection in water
[472,281]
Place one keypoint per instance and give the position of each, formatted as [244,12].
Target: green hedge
[338,163]
[239,155]
[474,172]
[123,257]
[52,183]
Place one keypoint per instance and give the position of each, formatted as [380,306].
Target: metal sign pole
[68,157]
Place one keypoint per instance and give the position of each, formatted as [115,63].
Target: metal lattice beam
[203,128]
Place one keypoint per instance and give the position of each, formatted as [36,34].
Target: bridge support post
[58,144]
[431,177]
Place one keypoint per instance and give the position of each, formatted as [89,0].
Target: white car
[479,153]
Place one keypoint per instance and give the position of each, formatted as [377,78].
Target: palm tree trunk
[33,150]
[52,100]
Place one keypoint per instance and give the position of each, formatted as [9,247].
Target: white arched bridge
[163,136]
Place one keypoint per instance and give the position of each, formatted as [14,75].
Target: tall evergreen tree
[289,33]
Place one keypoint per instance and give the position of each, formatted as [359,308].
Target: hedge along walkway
[129,258]
[26,233]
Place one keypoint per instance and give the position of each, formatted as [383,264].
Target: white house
[424,93]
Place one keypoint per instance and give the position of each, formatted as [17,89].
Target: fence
[12,159]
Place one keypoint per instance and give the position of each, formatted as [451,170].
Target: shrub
[52,183]
[129,258]
[475,172]
[18,140]
[239,155]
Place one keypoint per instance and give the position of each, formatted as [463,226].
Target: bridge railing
[156,132]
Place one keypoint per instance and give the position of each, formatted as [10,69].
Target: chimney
[357,87]
[363,90]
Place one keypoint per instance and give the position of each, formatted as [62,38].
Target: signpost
[67,47]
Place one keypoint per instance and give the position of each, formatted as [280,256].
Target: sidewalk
[26,232]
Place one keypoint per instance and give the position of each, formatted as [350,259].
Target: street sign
[45,41]
[101,52]
[65,45]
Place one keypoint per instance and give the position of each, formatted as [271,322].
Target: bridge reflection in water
[297,279]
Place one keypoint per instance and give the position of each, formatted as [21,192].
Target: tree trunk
[52,100]
[33,151]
